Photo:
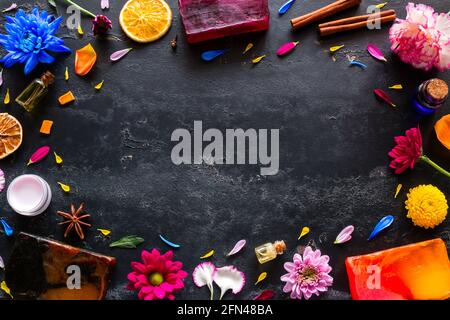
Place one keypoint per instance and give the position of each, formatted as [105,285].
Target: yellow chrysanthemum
[426,205]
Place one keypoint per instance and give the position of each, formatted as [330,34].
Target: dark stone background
[334,139]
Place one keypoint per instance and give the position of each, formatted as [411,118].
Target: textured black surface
[334,139]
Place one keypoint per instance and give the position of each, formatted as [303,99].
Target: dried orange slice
[442,128]
[10,134]
[145,20]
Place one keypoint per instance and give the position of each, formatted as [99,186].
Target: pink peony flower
[157,277]
[308,275]
[423,38]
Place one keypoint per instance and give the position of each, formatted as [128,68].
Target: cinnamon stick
[361,23]
[356,19]
[323,12]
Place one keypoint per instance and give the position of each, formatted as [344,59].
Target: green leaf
[129,242]
[52,3]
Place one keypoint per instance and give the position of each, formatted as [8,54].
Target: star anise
[74,220]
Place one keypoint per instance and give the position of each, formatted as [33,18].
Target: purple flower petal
[345,235]
[115,56]
[237,247]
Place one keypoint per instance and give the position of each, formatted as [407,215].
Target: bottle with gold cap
[269,251]
[36,90]
[430,96]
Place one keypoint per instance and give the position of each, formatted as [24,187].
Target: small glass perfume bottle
[269,251]
[430,96]
[32,95]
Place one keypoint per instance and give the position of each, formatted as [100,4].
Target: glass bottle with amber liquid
[269,251]
[36,90]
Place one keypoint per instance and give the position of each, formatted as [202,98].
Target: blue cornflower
[29,38]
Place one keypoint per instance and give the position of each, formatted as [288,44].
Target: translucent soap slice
[211,19]
[39,268]
[418,271]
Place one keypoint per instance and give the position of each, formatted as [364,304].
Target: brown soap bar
[39,268]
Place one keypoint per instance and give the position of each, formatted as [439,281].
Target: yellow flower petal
[336,48]
[207,255]
[105,232]
[396,87]
[64,187]
[304,232]
[5,288]
[7,99]
[381,5]
[248,48]
[66,74]
[261,277]
[397,191]
[99,85]
[58,159]
[258,59]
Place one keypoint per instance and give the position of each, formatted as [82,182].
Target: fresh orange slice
[145,20]
[10,134]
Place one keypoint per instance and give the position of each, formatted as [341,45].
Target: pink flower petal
[104,4]
[237,247]
[159,292]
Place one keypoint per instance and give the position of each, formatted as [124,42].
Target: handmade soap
[211,19]
[40,268]
[418,271]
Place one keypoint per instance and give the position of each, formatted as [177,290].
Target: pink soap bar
[211,19]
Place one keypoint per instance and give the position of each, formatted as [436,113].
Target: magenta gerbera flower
[307,275]
[157,277]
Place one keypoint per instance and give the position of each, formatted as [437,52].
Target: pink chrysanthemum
[423,38]
[157,277]
[308,275]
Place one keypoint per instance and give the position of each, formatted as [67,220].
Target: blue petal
[44,57]
[52,27]
[10,19]
[24,58]
[212,54]
[285,7]
[44,15]
[58,48]
[31,64]
[381,225]
[8,230]
[7,61]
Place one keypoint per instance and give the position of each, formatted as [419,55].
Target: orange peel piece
[85,59]
[66,98]
[442,128]
[46,127]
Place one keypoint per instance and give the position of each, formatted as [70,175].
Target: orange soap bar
[419,271]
